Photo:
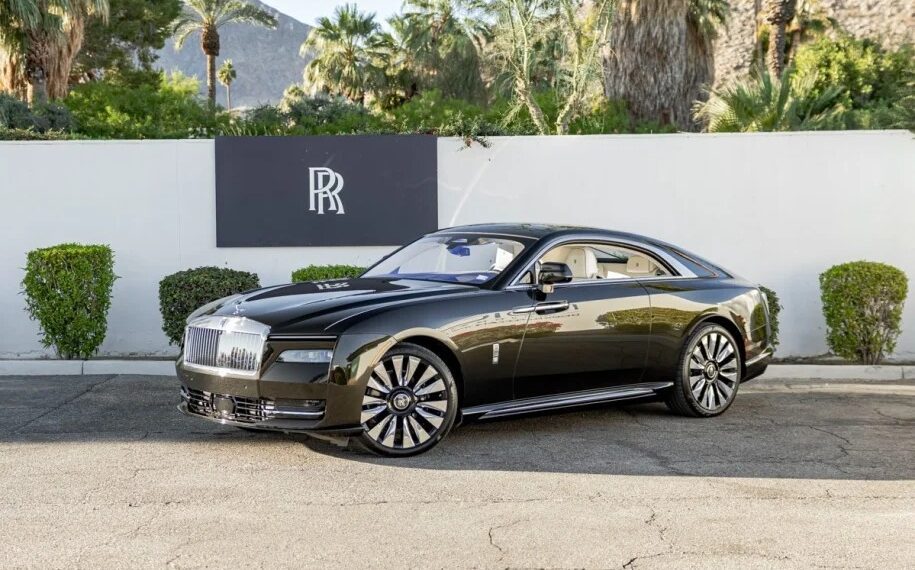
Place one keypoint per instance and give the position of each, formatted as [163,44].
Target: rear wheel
[708,375]
[410,402]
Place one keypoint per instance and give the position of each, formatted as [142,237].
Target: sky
[308,11]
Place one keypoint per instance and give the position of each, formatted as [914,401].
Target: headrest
[582,262]
[640,265]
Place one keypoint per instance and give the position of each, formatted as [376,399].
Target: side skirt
[567,400]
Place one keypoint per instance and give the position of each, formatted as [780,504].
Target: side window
[589,261]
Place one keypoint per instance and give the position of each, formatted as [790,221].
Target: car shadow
[827,431]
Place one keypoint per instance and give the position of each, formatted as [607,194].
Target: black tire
[412,398]
[702,389]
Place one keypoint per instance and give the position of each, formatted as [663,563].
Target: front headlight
[209,307]
[309,356]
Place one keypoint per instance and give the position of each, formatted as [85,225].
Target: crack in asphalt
[492,540]
[826,431]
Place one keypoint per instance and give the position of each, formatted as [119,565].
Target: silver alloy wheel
[405,402]
[713,372]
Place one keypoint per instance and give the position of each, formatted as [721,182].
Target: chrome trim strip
[566,400]
[765,354]
[322,338]
[531,239]
[282,413]
[603,282]
[182,407]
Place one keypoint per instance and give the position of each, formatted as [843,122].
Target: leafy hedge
[167,109]
[17,116]
[180,294]
[775,309]
[862,303]
[321,272]
[68,291]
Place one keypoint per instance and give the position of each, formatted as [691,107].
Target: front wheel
[709,373]
[410,402]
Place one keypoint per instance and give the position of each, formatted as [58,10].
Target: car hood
[313,307]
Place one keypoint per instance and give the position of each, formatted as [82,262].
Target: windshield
[454,258]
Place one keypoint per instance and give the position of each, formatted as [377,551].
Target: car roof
[540,231]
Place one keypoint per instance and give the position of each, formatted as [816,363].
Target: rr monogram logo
[324,184]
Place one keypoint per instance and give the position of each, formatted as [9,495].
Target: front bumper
[292,405]
[289,397]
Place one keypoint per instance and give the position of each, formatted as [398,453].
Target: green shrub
[68,291]
[864,72]
[180,294]
[321,272]
[54,117]
[871,81]
[33,135]
[169,109]
[775,309]
[15,114]
[862,303]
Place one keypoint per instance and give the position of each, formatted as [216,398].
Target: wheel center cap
[711,371]
[400,402]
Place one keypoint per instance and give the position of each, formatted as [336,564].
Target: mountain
[267,61]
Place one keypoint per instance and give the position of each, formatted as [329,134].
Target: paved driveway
[103,472]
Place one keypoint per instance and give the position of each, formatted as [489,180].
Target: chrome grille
[230,344]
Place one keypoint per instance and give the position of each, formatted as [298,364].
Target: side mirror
[552,273]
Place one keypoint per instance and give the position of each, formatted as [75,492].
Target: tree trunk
[38,87]
[209,43]
[211,80]
[700,65]
[646,61]
[229,98]
[532,107]
[780,12]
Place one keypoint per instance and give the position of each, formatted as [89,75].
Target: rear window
[701,267]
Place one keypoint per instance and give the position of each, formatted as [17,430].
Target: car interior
[602,261]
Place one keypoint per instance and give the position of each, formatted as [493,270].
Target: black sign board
[325,191]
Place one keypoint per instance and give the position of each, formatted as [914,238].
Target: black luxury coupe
[479,321]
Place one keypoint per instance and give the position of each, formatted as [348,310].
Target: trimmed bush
[775,309]
[180,294]
[321,272]
[862,303]
[68,291]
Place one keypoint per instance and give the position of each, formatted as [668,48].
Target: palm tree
[779,14]
[40,40]
[660,56]
[765,103]
[227,75]
[207,17]
[401,74]
[446,38]
[704,20]
[347,50]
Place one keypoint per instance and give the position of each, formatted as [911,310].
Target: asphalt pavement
[103,472]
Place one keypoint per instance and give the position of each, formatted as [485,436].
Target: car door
[590,333]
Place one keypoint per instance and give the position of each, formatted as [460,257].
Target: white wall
[153,202]
[777,209]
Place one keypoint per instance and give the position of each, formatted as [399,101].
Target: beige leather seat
[640,265]
[582,262]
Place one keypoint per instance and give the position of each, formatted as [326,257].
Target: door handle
[552,307]
[541,308]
